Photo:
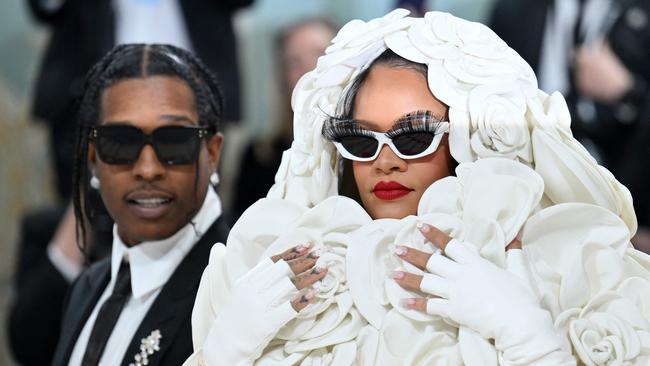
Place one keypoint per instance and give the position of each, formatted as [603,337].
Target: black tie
[578,37]
[107,317]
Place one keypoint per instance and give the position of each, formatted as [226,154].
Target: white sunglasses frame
[385,140]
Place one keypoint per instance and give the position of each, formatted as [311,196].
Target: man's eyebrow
[124,123]
[177,118]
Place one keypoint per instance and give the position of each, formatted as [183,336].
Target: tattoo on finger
[299,262]
[303,299]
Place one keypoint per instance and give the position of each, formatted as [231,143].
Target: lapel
[82,299]
[172,309]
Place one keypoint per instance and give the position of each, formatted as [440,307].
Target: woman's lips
[389,191]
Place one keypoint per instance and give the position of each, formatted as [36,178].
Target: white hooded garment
[519,166]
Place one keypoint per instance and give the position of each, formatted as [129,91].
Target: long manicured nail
[407,303]
[316,253]
[310,295]
[303,247]
[318,270]
[400,250]
[397,275]
[424,228]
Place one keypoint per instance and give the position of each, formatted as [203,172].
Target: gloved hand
[494,302]
[261,304]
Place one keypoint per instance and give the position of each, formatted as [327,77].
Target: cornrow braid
[132,61]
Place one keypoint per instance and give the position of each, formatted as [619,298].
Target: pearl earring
[94,182]
[214,179]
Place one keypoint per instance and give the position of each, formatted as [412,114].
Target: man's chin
[144,234]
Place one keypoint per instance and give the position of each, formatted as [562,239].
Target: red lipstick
[390,190]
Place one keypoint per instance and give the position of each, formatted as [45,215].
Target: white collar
[153,262]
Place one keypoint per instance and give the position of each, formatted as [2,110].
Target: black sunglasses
[174,145]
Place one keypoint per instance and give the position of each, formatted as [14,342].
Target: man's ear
[92,157]
[214,144]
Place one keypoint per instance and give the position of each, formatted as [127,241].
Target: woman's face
[388,94]
[147,199]
[301,49]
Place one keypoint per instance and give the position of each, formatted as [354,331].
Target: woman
[298,49]
[148,140]
[409,99]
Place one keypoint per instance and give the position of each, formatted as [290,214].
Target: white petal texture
[520,174]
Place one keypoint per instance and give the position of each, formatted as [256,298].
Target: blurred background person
[298,47]
[595,52]
[416,7]
[49,260]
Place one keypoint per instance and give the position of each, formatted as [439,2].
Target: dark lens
[177,144]
[118,144]
[359,146]
[413,143]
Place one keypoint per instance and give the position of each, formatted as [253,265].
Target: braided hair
[129,61]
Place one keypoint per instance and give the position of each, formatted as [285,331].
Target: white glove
[259,306]
[497,304]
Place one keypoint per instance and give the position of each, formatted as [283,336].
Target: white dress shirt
[558,42]
[150,21]
[557,45]
[152,264]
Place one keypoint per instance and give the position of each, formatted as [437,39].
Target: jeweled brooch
[148,346]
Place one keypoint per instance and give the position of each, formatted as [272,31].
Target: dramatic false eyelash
[420,121]
[337,128]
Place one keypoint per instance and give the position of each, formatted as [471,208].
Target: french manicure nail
[397,275]
[310,294]
[318,270]
[400,250]
[423,227]
[316,253]
[407,303]
[303,247]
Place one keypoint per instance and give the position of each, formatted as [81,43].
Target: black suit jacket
[83,31]
[170,313]
[35,312]
[521,23]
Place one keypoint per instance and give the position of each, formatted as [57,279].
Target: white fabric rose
[593,282]
[612,329]
[478,57]
[497,114]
